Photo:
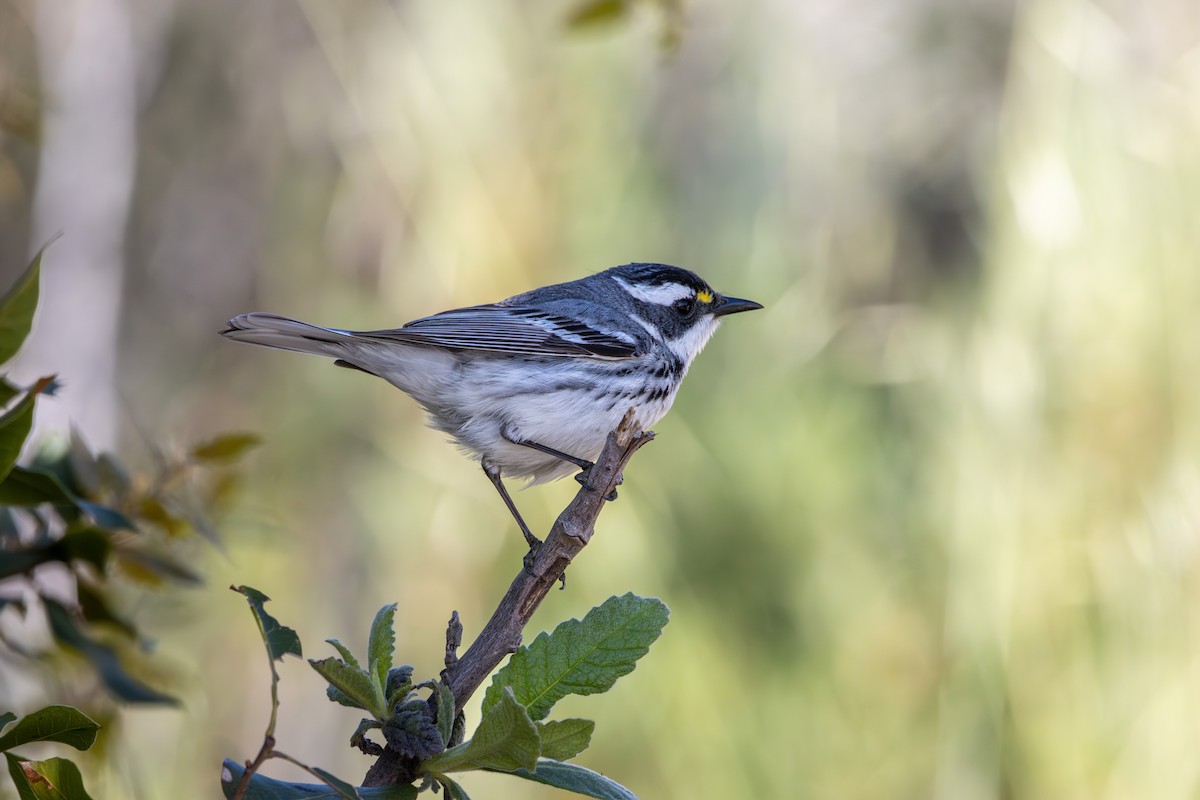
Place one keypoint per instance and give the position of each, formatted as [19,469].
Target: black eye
[684,306]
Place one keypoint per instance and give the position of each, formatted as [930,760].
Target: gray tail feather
[272,330]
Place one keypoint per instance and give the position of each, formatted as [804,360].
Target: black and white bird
[532,385]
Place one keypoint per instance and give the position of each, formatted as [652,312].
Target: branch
[503,633]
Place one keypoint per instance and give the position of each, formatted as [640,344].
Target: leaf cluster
[52,778]
[86,515]
[420,722]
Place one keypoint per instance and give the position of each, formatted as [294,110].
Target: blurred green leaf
[86,544]
[62,724]
[20,778]
[17,308]
[154,568]
[505,740]
[6,718]
[564,739]
[381,644]
[55,779]
[581,656]
[597,12]
[574,778]
[264,788]
[279,639]
[31,487]
[226,447]
[8,391]
[102,658]
[15,425]
[94,607]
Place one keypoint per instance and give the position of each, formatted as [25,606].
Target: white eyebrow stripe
[655,334]
[664,294]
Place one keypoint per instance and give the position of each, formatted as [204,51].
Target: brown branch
[503,632]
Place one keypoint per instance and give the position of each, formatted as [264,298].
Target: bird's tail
[272,330]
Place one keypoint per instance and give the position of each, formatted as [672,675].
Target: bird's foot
[585,478]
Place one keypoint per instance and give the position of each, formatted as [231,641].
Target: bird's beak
[733,305]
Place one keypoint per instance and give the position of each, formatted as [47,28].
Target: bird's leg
[493,473]
[584,465]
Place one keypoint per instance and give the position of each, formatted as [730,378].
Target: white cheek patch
[664,294]
[692,341]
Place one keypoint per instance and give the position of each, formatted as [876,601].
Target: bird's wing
[509,329]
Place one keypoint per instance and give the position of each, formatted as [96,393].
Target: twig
[454,632]
[503,632]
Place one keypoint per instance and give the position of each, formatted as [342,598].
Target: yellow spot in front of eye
[704,296]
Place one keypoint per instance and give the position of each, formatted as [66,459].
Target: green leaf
[279,639]
[15,425]
[565,738]
[31,487]
[264,788]
[575,778]
[505,740]
[581,656]
[445,709]
[156,567]
[411,731]
[95,608]
[343,789]
[6,718]
[8,390]
[62,724]
[226,447]
[453,790]
[20,779]
[55,779]
[353,683]
[597,12]
[17,307]
[344,652]
[103,658]
[380,646]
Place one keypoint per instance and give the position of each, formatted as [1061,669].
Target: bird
[532,385]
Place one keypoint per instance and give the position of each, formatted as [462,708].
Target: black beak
[733,305]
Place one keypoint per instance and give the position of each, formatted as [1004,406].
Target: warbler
[532,385]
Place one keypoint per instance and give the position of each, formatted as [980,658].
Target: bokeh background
[928,525]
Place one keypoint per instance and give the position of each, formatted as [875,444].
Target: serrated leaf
[445,709]
[412,732]
[279,639]
[505,740]
[19,777]
[55,779]
[263,788]
[352,682]
[17,308]
[104,659]
[381,645]
[15,425]
[564,739]
[344,652]
[226,447]
[399,684]
[62,724]
[597,12]
[581,656]
[575,778]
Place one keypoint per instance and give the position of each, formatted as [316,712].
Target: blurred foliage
[941,499]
